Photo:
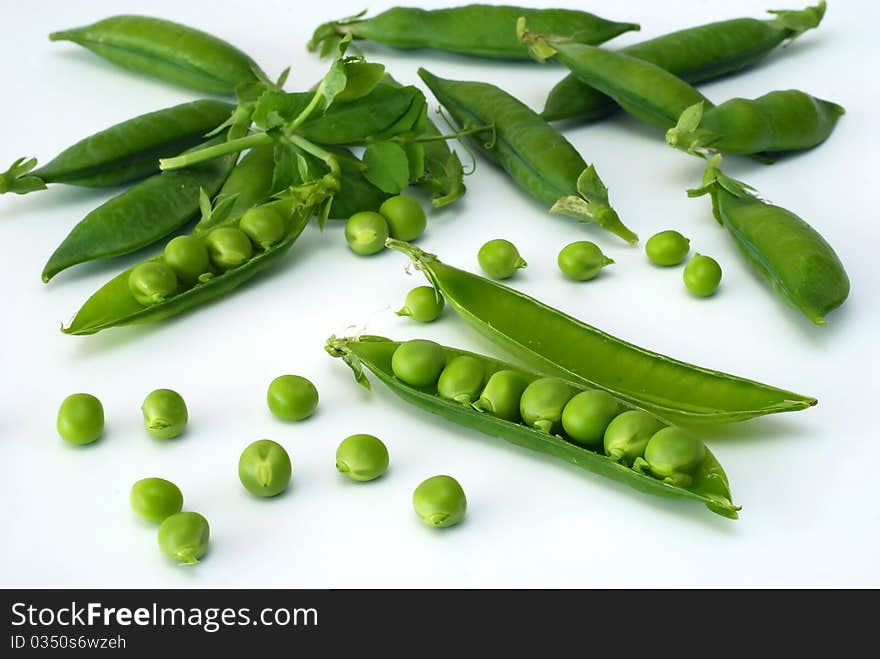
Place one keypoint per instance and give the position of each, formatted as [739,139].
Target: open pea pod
[709,487]
[114,304]
[557,344]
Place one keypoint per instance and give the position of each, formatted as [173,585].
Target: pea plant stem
[216,151]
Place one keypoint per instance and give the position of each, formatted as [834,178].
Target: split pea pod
[126,152]
[695,54]
[115,304]
[479,30]
[535,155]
[168,51]
[644,90]
[780,121]
[557,344]
[139,216]
[788,253]
[707,483]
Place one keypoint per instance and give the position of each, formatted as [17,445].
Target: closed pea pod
[126,152]
[708,483]
[788,253]
[168,51]
[780,121]
[535,155]
[461,380]
[250,183]
[479,30]
[694,54]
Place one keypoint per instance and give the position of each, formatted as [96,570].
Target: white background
[807,481]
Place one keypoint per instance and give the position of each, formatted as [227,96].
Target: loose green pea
[587,415]
[366,233]
[155,499]
[229,247]
[362,457]
[582,260]
[667,248]
[673,454]
[500,259]
[501,395]
[627,435]
[405,216]
[292,397]
[542,403]
[418,362]
[263,225]
[152,282]
[702,275]
[440,501]
[264,468]
[80,419]
[423,304]
[165,413]
[188,257]
[184,536]
[461,380]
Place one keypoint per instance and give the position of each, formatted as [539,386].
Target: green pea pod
[557,344]
[774,123]
[642,89]
[114,305]
[710,484]
[538,158]
[168,51]
[479,30]
[786,251]
[122,153]
[143,214]
[695,54]
[356,193]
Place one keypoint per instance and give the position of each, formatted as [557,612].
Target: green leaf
[276,108]
[335,79]
[285,166]
[361,79]
[387,166]
[415,154]
[591,187]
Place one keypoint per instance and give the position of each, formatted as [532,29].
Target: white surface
[806,481]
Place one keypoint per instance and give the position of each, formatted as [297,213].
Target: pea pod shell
[557,344]
[140,216]
[788,253]
[113,305]
[168,51]
[710,485]
[479,30]
[694,54]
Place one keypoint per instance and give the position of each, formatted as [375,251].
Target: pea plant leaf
[387,166]
[361,79]
[415,155]
[275,108]
[335,80]
[284,174]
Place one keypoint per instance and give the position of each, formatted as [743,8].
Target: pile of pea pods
[248,168]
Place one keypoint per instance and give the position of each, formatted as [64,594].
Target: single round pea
[500,259]
[501,395]
[229,247]
[587,415]
[188,257]
[184,536]
[263,225]
[461,380]
[542,403]
[667,248]
[674,454]
[152,282]
[155,499]
[423,304]
[627,435]
[292,397]
[362,457]
[702,275]
[582,260]
[405,216]
[418,362]
[366,233]
[440,501]
[264,468]
[165,413]
[80,419]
